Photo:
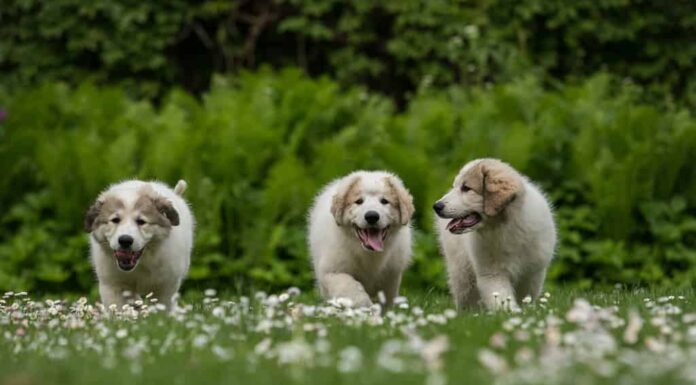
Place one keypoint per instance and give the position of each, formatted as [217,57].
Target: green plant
[394,47]
[256,149]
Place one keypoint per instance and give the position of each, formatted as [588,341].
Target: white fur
[502,260]
[162,266]
[343,267]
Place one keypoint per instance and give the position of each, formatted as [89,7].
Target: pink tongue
[123,255]
[374,239]
[470,219]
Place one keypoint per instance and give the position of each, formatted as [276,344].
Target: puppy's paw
[362,302]
[351,302]
[495,302]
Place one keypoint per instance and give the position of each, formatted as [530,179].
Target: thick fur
[504,257]
[164,234]
[344,268]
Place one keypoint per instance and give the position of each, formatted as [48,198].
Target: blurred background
[257,104]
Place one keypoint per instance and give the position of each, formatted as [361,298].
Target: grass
[624,336]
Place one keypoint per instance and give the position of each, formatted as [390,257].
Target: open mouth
[371,238]
[463,224]
[127,259]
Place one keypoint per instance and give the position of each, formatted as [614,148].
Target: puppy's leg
[531,285]
[497,292]
[339,285]
[166,295]
[462,284]
[390,286]
[111,295]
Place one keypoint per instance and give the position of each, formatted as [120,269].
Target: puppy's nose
[125,241]
[372,217]
[438,207]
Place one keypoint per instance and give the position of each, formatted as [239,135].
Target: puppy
[141,235]
[360,237]
[497,234]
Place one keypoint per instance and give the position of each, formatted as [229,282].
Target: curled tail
[180,187]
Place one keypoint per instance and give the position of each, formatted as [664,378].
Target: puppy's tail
[180,187]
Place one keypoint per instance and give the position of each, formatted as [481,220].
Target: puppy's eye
[140,222]
[359,201]
[384,201]
[116,220]
[465,188]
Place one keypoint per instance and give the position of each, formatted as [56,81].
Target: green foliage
[256,149]
[394,47]
[102,39]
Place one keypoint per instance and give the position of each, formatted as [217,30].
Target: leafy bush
[257,148]
[391,46]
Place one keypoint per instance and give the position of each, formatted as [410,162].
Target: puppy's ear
[166,208]
[344,197]
[501,185]
[91,215]
[404,200]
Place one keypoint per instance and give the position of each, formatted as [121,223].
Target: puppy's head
[372,204]
[482,190]
[128,221]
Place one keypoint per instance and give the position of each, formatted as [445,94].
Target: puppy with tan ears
[360,237]
[141,235]
[498,236]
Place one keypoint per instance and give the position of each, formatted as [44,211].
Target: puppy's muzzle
[372,217]
[126,257]
[125,241]
[438,207]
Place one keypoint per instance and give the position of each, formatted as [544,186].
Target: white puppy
[360,237]
[498,236]
[141,240]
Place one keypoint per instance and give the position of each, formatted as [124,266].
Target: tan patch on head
[344,197]
[397,193]
[497,182]
[473,178]
[501,185]
[157,209]
[100,212]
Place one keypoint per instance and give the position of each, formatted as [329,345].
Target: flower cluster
[276,329]
[649,343]
[547,342]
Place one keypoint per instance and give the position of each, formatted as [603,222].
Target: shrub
[390,46]
[257,148]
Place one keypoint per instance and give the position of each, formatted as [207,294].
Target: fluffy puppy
[360,236]
[497,234]
[141,235]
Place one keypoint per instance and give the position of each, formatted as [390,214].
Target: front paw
[351,302]
[496,302]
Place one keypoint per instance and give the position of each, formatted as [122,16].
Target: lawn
[568,337]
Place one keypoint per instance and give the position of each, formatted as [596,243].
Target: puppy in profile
[360,237]
[497,234]
[141,235]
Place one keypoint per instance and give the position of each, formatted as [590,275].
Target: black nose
[125,241]
[438,207]
[372,217]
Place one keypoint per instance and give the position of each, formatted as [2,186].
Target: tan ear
[404,199]
[91,215]
[166,208]
[343,198]
[501,185]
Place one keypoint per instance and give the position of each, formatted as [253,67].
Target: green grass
[218,340]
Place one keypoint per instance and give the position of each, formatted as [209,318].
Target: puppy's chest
[367,269]
[145,279]
[502,248]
